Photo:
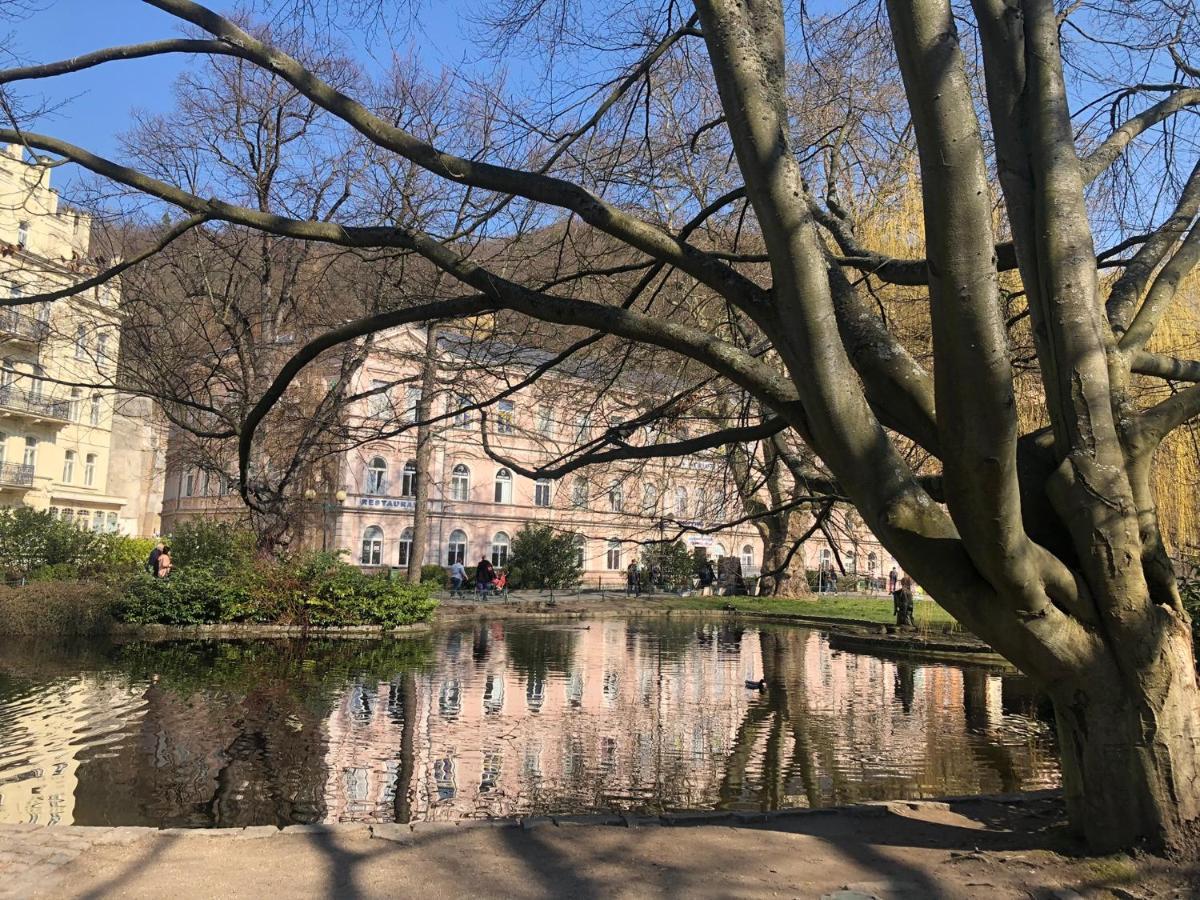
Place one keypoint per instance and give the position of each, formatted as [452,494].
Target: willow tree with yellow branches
[1043,540]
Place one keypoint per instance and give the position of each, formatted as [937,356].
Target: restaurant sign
[387,503]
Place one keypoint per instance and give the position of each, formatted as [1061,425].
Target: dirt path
[974,848]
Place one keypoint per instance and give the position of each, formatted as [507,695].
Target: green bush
[337,593]
[543,558]
[435,575]
[57,608]
[674,560]
[211,544]
[192,596]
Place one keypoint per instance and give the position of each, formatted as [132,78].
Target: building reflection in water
[502,719]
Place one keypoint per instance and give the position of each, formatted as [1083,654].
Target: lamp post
[327,507]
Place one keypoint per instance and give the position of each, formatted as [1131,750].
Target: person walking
[484,576]
[458,577]
[892,578]
[152,561]
[164,564]
[633,580]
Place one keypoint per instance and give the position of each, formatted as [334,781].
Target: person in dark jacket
[484,576]
[152,562]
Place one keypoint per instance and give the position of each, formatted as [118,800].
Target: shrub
[674,559]
[543,558]
[435,575]
[57,608]
[336,593]
[192,596]
[848,584]
[32,539]
[212,544]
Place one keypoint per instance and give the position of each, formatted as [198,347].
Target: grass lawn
[834,606]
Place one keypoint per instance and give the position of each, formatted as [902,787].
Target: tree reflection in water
[497,718]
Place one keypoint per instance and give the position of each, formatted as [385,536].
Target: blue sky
[96,104]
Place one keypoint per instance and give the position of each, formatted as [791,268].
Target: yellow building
[56,415]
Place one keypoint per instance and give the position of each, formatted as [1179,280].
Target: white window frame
[500,547]
[94,412]
[81,342]
[747,556]
[372,546]
[379,402]
[30,457]
[456,550]
[89,469]
[612,555]
[542,492]
[545,420]
[375,477]
[579,493]
[506,414]
[404,554]
[503,487]
[408,479]
[460,482]
[68,474]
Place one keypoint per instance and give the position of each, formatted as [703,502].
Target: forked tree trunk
[1129,744]
[791,579]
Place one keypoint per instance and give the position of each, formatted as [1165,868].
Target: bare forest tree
[689,198]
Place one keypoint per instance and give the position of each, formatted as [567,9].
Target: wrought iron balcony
[13,399]
[12,474]
[19,326]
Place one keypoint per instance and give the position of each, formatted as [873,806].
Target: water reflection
[496,719]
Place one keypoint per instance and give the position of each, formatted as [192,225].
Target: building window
[102,349]
[22,234]
[460,483]
[89,470]
[503,493]
[3,446]
[189,483]
[701,504]
[462,418]
[612,560]
[81,342]
[681,499]
[616,498]
[206,485]
[541,492]
[37,385]
[579,493]
[650,498]
[377,402]
[584,428]
[412,399]
[719,551]
[544,420]
[94,413]
[580,550]
[114,524]
[30,452]
[872,563]
[408,480]
[76,405]
[505,412]
[372,546]
[53,512]
[747,556]
[500,549]
[376,476]
[98,521]
[68,515]
[456,549]
[406,537]
[8,373]
[68,467]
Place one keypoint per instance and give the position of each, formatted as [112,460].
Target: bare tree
[1043,542]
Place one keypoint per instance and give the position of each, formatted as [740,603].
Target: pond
[497,718]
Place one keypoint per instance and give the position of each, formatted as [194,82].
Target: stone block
[257,832]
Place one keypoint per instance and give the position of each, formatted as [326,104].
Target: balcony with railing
[15,401]
[16,475]
[21,327]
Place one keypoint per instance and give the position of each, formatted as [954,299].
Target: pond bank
[994,848]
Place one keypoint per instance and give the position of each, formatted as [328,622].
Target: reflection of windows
[608,754]
[357,782]
[541,492]
[408,481]
[493,694]
[377,476]
[612,559]
[450,697]
[500,549]
[406,537]
[575,688]
[505,412]
[443,776]
[503,492]
[460,483]
[535,693]
[456,548]
[531,763]
[372,546]
[491,772]
[612,687]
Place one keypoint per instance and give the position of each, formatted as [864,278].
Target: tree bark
[424,412]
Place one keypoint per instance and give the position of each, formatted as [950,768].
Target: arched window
[500,549]
[68,515]
[408,482]
[616,497]
[376,476]
[701,503]
[579,493]
[406,537]
[372,546]
[681,499]
[504,481]
[456,548]
[612,560]
[541,492]
[826,556]
[460,483]
[718,551]
[747,556]
[68,466]
[872,563]
[649,498]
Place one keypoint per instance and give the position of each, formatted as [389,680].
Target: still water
[496,719]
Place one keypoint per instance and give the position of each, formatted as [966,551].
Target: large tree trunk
[424,412]
[790,579]
[1129,745]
